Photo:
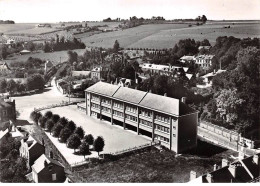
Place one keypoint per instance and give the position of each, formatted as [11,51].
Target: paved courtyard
[116,138]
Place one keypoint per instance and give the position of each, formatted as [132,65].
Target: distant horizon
[53,11]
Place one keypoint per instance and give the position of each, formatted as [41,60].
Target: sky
[36,11]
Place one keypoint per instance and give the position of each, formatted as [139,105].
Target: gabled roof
[38,165]
[129,95]
[103,88]
[252,166]
[3,133]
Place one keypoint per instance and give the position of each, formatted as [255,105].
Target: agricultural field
[56,57]
[160,36]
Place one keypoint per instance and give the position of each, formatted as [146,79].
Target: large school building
[162,118]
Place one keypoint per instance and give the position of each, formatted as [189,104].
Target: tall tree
[116,46]
[65,133]
[84,149]
[80,132]
[99,144]
[74,141]
[89,139]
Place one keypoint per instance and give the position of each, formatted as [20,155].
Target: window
[53,177]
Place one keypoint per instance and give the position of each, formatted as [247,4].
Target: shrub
[48,114]
[56,130]
[49,125]
[63,121]
[71,125]
[55,118]
[42,121]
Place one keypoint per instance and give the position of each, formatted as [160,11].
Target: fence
[229,134]
[62,104]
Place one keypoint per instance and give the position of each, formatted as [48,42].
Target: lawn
[167,35]
[155,166]
[55,57]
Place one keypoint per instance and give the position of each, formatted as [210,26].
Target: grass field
[167,35]
[56,57]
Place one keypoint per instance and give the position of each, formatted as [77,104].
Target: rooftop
[157,102]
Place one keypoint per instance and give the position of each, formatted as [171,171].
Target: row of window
[147,123]
[93,113]
[106,101]
[120,114]
[118,105]
[95,105]
[146,113]
[132,118]
[162,118]
[161,138]
[95,98]
[105,109]
[131,109]
[162,128]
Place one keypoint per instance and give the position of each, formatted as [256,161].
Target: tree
[84,149]
[55,118]
[49,125]
[116,46]
[65,133]
[89,139]
[80,132]
[204,19]
[35,116]
[11,85]
[47,47]
[48,114]
[63,121]
[36,81]
[56,130]
[73,56]
[99,144]
[74,141]
[42,121]
[3,85]
[71,126]
[3,52]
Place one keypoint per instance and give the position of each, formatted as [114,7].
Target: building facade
[7,110]
[204,61]
[164,119]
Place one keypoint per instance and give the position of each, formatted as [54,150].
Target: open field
[167,35]
[56,57]
[155,166]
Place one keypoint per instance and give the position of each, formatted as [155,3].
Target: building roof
[25,51]
[49,63]
[4,65]
[4,104]
[3,133]
[129,95]
[157,102]
[38,165]
[252,166]
[83,73]
[187,58]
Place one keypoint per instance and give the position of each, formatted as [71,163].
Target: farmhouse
[164,119]
[47,170]
[31,149]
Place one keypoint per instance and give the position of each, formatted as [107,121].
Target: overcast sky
[95,10]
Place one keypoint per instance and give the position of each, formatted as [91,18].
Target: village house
[98,73]
[7,110]
[31,149]
[47,170]
[47,66]
[164,119]
[243,170]
[4,68]
[187,59]
[204,61]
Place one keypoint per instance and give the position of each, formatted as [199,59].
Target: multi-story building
[98,73]
[204,61]
[7,110]
[162,118]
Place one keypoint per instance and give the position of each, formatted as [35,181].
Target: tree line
[67,132]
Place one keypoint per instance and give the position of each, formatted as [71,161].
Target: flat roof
[156,102]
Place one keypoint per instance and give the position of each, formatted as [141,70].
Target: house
[241,171]
[25,52]
[204,61]
[47,170]
[4,68]
[125,82]
[7,110]
[47,66]
[207,78]
[187,59]
[81,73]
[99,73]
[166,120]
[10,41]
[31,149]
[204,48]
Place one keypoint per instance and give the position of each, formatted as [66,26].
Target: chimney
[215,167]
[193,175]
[233,170]
[209,178]
[256,159]
[150,91]
[165,94]
[183,100]
[225,163]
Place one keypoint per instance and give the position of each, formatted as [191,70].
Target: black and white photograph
[129,91]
